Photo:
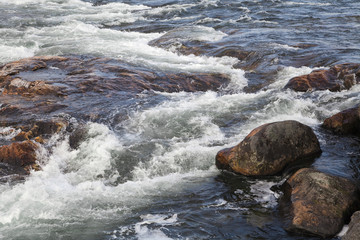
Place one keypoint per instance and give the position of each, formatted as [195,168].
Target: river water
[152,175]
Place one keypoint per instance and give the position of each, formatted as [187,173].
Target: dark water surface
[150,173]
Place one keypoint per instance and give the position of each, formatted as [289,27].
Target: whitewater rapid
[152,175]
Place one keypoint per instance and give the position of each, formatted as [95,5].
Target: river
[152,175]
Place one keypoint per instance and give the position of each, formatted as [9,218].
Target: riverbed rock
[268,149]
[21,154]
[353,233]
[41,129]
[319,204]
[48,86]
[337,78]
[344,122]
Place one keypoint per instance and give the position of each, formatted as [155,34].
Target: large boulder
[318,204]
[269,148]
[337,78]
[345,122]
[353,233]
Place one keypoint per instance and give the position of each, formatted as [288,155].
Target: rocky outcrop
[65,75]
[337,78]
[19,154]
[269,148]
[353,233]
[45,87]
[319,204]
[345,122]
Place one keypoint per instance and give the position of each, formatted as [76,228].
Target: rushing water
[152,175]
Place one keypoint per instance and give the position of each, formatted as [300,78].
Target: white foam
[285,74]
[169,9]
[306,3]
[264,195]
[265,21]
[11,53]
[283,46]
[343,231]
[7,133]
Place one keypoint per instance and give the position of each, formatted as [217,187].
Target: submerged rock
[48,86]
[345,122]
[353,233]
[337,78]
[317,203]
[268,149]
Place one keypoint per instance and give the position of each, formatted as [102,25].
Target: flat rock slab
[337,78]
[85,87]
[319,204]
[268,149]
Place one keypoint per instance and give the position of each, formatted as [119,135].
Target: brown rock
[28,64]
[353,233]
[83,87]
[41,128]
[337,78]
[319,203]
[345,122]
[268,149]
[19,153]
[22,87]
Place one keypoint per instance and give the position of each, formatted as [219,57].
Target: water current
[152,175]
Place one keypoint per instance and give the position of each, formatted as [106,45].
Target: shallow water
[152,174]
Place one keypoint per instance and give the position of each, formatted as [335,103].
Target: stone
[268,149]
[78,136]
[19,154]
[353,233]
[337,78]
[41,129]
[318,204]
[344,122]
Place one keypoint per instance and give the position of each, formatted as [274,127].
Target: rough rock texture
[21,154]
[38,87]
[41,129]
[345,122]
[353,233]
[337,78]
[319,204]
[65,75]
[269,148]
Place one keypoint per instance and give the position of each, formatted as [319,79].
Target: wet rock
[235,52]
[345,122]
[78,136]
[10,173]
[41,129]
[353,233]
[30,89]
[268,149]
[45,87]
[179,40]
[28,64]
[337,78]
[319,204]
[21,154]
[174,42]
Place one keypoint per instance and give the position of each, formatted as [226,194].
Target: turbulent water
[152,175]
